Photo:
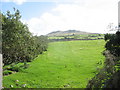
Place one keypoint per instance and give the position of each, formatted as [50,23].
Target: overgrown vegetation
[18,43]
[109,76]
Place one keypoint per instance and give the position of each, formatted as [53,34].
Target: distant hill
[68,32]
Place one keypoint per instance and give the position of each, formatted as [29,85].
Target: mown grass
[68,64]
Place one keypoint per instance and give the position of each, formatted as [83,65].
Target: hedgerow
[109,75]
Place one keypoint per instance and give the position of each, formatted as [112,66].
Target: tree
[19,45]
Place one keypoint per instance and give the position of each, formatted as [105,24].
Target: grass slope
[67,64]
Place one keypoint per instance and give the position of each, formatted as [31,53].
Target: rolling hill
[68,32]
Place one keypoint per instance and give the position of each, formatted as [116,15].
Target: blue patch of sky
[29,9]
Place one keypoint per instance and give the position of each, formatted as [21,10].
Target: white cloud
[19,2]
[85,15]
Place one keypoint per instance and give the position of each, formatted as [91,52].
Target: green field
[82,36]
[68,64]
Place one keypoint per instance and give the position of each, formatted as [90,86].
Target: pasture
[66,64]
[82,36]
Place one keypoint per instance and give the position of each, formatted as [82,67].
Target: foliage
[15,67]
[109,75]
[113,43]
[18,44]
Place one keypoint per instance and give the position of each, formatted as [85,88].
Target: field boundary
[54,40]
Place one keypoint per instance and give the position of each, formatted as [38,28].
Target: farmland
[73,35]
[81,36]
[66,64]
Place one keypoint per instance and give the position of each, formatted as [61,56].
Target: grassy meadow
[67,64]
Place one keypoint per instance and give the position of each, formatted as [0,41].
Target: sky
[45,16]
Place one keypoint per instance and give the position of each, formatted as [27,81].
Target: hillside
[68,32]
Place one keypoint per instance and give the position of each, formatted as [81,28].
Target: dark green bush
[113,43]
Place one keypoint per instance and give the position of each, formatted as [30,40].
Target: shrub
[113,43]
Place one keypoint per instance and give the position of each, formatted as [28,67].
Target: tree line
[18,43]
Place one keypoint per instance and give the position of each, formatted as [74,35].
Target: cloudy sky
[45,16]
